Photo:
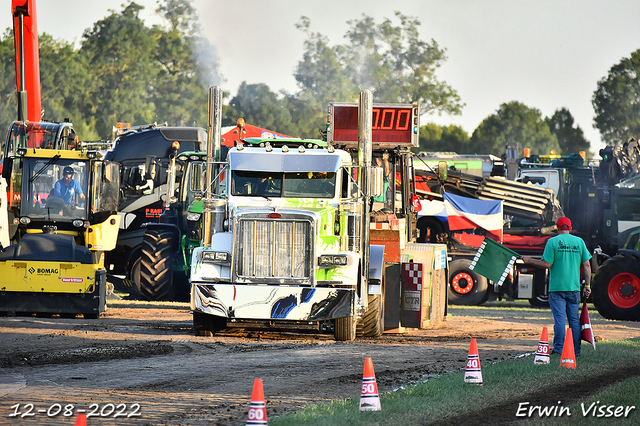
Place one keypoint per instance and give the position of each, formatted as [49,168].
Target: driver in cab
[67,187]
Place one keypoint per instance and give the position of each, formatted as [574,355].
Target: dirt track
[148,355]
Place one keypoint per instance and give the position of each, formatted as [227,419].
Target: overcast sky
[547,54]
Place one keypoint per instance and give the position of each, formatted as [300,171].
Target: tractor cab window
[107,188]
[193,181]
[31,135]
[54,188]
[137,181]
[385,201]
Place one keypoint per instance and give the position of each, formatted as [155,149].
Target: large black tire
[156,278]
[135,273]
[207,325]
[466,287]
[616,288]
[345,329]
[372,322]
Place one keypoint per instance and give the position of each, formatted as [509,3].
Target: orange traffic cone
[542,354]
[257,414]
[568,358]
[369,399]
[81,420]
[473,373]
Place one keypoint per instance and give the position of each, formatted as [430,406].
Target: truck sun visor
[275,162]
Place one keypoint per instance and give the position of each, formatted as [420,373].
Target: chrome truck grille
[273,250]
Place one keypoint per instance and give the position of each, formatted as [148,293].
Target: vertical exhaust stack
[27,57]
[213,209]
[21,92]
[365,157]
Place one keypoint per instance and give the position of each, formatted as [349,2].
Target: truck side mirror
[377,182]
[224,150]
[442,170]
[7,164]
[150,166]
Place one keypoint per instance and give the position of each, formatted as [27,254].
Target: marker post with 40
[70,410]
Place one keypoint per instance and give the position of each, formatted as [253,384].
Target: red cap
[564,223]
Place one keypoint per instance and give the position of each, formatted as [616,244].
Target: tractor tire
[616,289]
[156,278]
[135,274]
[345,329]
[466,287]
[372,322]
[207,325]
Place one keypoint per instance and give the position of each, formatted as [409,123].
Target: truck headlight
[193,217]
[219,257]
[332,260]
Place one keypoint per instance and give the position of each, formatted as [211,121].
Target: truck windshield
[292,185]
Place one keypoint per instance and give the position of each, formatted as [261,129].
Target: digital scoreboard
[393,125]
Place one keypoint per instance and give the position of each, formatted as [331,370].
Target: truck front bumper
[264,302]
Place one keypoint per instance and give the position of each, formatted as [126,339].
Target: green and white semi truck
[283,238]
[286,231]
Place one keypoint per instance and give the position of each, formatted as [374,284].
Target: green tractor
[616,284]
[167,245]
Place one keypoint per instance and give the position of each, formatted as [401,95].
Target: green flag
[493,261]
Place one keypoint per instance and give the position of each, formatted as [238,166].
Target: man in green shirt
[563,255]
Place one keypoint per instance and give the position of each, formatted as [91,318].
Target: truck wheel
[540,301]
[616,289]
[156,283]
[345,329]
[207,325]
[372,322]
[466,287]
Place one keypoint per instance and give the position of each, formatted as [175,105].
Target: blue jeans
[561,303]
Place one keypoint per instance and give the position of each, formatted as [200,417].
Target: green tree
[118,51]
[179,91]
[571,139]
[63,76]
[62,86]
[9,103]
[259,106]
[451,138]
[616,101]
[322,77]
[397,65]
[390,60]
[123,71]
[514,122]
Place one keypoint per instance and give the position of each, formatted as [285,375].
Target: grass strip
[608,375]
